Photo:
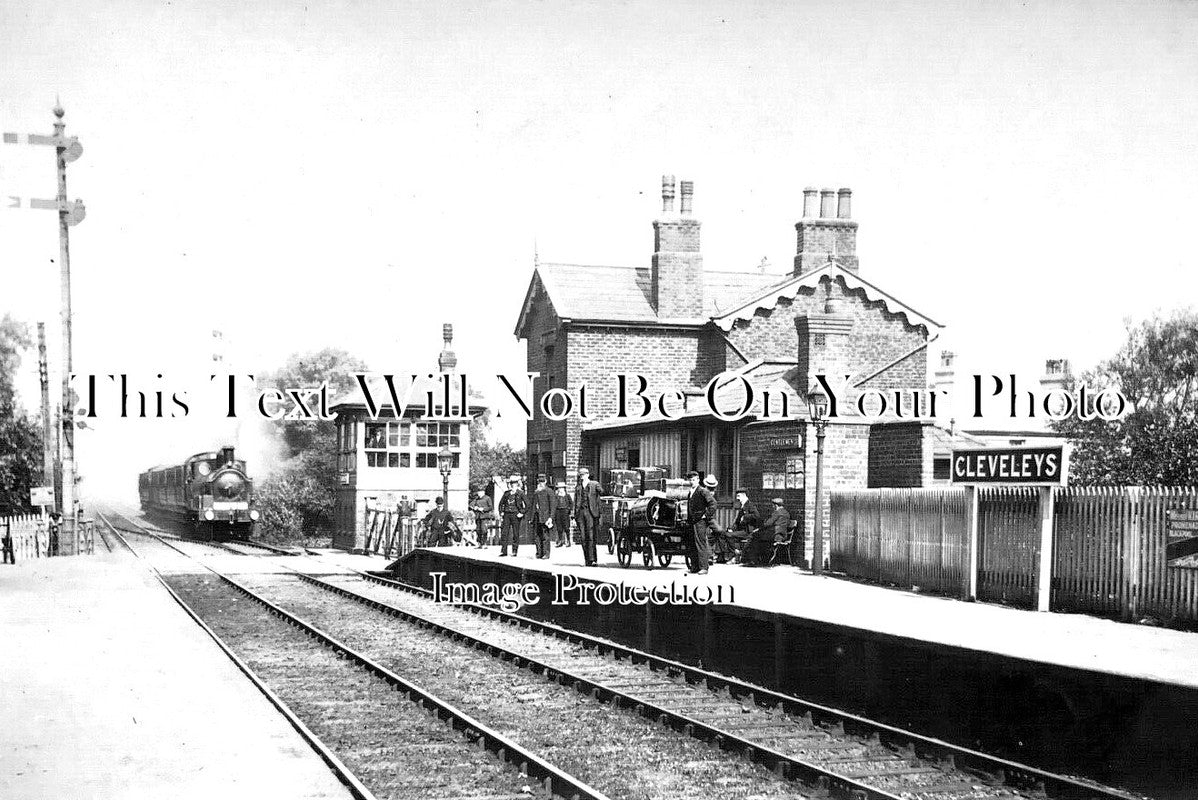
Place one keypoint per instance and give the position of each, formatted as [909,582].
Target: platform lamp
[445,464]
[817,406]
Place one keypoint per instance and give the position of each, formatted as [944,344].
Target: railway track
[825,748]
[782,732]
[389,737]
[240,546]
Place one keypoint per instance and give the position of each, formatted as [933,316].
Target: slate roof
[586,293]
[582,292]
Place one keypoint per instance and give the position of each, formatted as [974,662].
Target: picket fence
[1109,546]
[31,537]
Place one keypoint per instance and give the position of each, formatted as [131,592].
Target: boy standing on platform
[563,510]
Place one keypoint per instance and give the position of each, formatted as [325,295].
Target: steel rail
[554,779]
[1005,772]
[343,773]
[784,765]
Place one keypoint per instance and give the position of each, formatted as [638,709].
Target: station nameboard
[41,495]
[1012,466]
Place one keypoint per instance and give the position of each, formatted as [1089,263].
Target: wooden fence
[1109,546]
[31,537]
[393,535]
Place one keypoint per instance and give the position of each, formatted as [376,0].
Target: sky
[356,174]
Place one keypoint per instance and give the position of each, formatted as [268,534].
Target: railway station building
[387,463]
[681,325]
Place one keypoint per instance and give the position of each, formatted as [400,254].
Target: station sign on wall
[1010,466]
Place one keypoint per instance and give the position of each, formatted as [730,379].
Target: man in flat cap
[587,511]
[775,529]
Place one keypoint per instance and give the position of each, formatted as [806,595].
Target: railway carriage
[210,491]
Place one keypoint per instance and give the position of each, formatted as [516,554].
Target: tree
[1156,442]
[296,501]
[307,371]
[488,459]
[20,437]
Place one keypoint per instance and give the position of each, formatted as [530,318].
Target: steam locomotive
[210,491]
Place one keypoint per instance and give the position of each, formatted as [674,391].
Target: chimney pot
[688,192]
[827,204]
[810,202]
[844,203]
[667,194]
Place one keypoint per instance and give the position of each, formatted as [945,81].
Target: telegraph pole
[69,213]
[43,369]
[67,538]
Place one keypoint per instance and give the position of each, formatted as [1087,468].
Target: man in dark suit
[482,508]
[437,525]
[775,529]
[511,508]
[587,511]
[543,503]
[700,510]
[748,520]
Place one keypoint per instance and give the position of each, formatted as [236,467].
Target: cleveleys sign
[1021,466]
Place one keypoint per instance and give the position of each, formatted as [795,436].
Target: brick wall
[900,455]
[818,237]
[878,337]
[846,466]
[758,456]
[544,330]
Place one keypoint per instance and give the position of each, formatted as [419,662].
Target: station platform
[1108,700]
[1068,640]
[108,689]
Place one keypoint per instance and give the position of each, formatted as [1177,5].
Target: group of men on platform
[755,538]
[551,513]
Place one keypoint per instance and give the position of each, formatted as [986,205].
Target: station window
[429,460]
[438,435]
[387,444]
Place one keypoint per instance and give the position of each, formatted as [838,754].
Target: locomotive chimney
[226,454]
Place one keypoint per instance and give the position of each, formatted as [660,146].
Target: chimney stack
[844,204]
[827,204]
[946,375]
[667,195]
[810,202]
[826,231]
[677,266]
[1057,374]
[447,361]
